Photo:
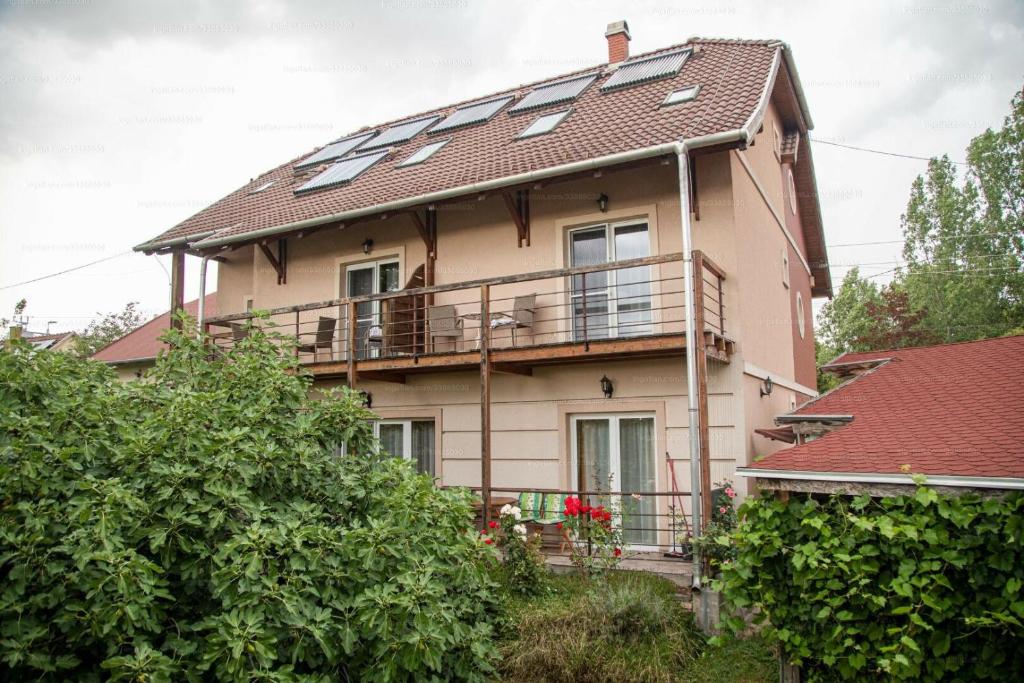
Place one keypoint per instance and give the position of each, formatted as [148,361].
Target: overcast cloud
[118,119]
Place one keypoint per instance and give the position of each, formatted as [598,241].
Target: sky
[118,119]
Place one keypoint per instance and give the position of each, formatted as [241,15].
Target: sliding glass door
[617,302]
[616,453]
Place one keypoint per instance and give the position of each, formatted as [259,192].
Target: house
[136,352]
[954,413]
[58,341]
[508,279]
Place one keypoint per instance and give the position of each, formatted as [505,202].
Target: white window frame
[376,304]
[785,267]
[614,456]
[777,141]
[612,281]
[685,94]
[792,189]
[801,314]
[407,435]
[561,116]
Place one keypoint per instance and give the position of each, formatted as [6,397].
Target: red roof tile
[143,343]
[733,75]
[954,409]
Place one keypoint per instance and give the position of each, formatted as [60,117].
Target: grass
[632,628]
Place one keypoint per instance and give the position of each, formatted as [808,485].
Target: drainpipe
[692,397]
[202,294]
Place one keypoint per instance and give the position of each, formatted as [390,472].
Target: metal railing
[629,299]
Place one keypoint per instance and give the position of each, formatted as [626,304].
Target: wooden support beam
[518,205]
[279,262]
[177,287]
[699,348]
[485,403]
[350,352]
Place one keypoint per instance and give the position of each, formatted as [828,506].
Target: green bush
[918,587]
[197,526]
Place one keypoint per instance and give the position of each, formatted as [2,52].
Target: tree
[109,328]
[844,320]
[199,526]
[893,324]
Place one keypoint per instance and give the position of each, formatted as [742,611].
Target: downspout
[692,395]
[201,313]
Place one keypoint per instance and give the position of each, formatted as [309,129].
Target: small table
[498,319]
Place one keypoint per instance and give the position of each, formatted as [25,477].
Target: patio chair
[444,324]
[520,318]
[324,338]
[531,503]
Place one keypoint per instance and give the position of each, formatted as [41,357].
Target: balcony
[631,308]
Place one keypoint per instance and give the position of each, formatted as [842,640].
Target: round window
[800,324]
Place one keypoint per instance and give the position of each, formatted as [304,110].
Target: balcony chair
[324,338]
[520,318]
[444,324]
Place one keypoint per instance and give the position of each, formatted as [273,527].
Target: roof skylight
[260,188]
[648,69]
[343,171]
[553,93]
[471,113]
[682,95]
[544,124]
[424,153]
[400,132]
[335,150]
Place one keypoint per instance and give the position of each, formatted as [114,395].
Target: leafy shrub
[197,526]
[715,544]
[582,632]
[917,587]
[524,571]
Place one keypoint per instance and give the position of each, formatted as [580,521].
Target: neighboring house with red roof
[954,413]
[58,341]
[136,352]
[508,278]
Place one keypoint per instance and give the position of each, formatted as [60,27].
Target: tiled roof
[954,409]
[732,74]
[143,343]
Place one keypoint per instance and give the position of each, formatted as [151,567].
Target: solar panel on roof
[648,69]
[471,113]
[335,150]
[401,132]
[343,171]
[562,91]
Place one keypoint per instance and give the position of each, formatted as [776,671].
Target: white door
[369,278]
[618,302]
[409,439]
[616,453]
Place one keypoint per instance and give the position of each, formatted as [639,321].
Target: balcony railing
[623,300]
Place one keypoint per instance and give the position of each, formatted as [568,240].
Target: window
[801,325]
[409,439]
[263,186]
[544,124]
[777,141]
[374,277]
[682,95]
[424,153]
[792,189]
[616,453]
[785,267]
[618,302]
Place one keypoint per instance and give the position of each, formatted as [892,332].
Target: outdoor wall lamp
[606,386]
[766,390]
[367,246]
[367,398]
[602,202]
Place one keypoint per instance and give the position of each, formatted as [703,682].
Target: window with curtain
[409,439]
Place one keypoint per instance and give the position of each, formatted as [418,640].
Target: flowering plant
[714,543]
[595,542]
[524,567]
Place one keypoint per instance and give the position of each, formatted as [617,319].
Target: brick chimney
[618,41]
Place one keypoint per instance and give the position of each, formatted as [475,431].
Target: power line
[879,151]
[65,272]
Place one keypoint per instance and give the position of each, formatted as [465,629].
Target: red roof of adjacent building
[734,76]
[143,343]
[954,409]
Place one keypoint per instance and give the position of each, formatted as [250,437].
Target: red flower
[585,509]
[492,524]
[488,541]
[558,525]
[617,552]
[572,506]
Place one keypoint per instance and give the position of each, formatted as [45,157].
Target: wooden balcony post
[177,287]
[350,356]
[697,346]
[485,401]
[298,340]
